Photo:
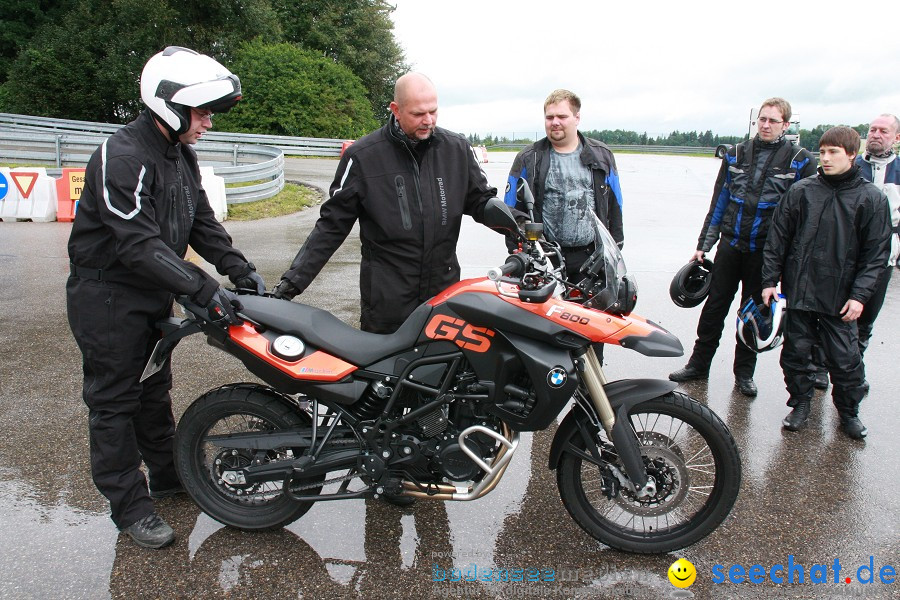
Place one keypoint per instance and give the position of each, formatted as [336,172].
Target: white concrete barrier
[31,195]
[215,192]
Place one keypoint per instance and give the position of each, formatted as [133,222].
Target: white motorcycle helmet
[760,327]
[178,79]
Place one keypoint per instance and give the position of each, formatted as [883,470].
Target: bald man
[408,184]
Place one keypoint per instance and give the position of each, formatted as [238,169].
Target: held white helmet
[761,327]
[178,79]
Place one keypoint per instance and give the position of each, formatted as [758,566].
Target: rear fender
[623,395]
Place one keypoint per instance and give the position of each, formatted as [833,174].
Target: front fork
[618,430]
[594,380]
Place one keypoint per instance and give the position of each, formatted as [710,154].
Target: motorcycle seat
[321,329]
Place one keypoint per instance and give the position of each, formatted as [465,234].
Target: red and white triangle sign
[24,181]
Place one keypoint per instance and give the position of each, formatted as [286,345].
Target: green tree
[58,75]
[218,27]
[21,18]
[290,91]
[356,33]
[87,63]
[809,138]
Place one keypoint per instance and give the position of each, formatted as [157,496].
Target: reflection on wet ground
[815,496]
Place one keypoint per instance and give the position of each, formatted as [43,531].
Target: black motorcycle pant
[128,421]
[839,342]
[866,321]
[730,268]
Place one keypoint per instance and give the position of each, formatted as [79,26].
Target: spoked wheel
[690,455]
[206,469]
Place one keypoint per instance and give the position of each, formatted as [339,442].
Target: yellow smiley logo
[682,573]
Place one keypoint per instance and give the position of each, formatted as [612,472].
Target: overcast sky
[654,66]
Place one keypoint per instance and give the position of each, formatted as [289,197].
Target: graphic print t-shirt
[568,210]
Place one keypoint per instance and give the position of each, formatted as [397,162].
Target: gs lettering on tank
[461,333]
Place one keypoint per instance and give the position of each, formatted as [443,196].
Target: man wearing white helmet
[141,206]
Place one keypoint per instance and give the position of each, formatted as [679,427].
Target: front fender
[623,395]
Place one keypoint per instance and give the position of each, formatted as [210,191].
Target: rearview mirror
[498,216]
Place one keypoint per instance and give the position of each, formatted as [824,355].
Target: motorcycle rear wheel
[695,462]
[236,409]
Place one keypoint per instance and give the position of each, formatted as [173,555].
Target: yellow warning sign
[24,182]
[76,183]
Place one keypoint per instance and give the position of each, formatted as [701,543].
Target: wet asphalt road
[814,495]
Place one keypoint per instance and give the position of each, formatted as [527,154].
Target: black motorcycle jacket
[533,163]
[409,203]
[141,206]
[828,244]
[743,200]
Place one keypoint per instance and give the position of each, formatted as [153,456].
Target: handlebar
[514,265]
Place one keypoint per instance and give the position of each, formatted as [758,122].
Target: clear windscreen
[604,272]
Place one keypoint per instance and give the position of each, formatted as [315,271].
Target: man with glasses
[142,205]
[752,179]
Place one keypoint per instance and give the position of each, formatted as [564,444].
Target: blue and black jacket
[743,203]
[533,163]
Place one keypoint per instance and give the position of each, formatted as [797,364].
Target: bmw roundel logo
[557,377]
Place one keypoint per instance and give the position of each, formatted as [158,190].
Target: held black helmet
[690,286]
[178,79]
[761,327]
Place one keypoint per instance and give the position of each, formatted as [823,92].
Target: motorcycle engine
[429,447]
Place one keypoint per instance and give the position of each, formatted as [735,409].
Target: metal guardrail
[290,146]
[237,157]
[235,163]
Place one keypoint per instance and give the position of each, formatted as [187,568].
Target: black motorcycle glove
[250,280]
[222,307]
[285,290]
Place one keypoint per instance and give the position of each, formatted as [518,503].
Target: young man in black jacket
[752,179]
[829,242]
[879,165]
[409,185]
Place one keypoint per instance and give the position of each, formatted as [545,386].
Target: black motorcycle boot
[746,386]
[853,427]
[688,373]
[151,532]
[798,417]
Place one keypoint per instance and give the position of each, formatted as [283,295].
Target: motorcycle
[434,411]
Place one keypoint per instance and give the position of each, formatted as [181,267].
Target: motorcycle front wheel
[201,464]
[693,460]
